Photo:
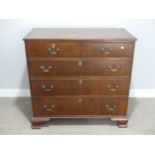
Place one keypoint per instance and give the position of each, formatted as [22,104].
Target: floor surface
[15,116]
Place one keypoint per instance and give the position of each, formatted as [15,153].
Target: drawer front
[81,67]
[80,87]
[49,49]
[107,49]
[79,106]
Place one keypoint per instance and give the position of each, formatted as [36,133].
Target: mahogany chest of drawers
[79,73]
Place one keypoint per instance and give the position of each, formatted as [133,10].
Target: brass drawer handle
[113,87]
[53,49]
[49,108]
[45,70]
[106,51]
[114,68]
[110,107]
[47,88]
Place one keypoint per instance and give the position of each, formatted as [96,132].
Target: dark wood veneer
[79,73]
[109,49]
[55,106]
[81,87]
[80,67]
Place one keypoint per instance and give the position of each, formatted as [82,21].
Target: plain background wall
[13,70]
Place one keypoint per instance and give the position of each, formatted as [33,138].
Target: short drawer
[81,67]
[80,87]
[51,49]
[61,106]
[107,49]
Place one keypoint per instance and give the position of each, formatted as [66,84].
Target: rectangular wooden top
[79,34]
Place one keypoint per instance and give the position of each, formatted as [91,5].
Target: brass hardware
[80,63]
[46,88]
[106,51]
[45,106]
[80,81]
[45,70]
[113,87]
[80,100]
[49,108]
[53,49]
[114,68]
[110,107]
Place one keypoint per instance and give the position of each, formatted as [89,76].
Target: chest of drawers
[79,73]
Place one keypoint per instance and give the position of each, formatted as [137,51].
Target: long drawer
[60,106]
[88,67]
[80,86]
[58,49]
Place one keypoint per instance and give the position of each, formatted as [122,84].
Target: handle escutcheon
[114,68]
[110,107]
[113,87]
[47,88]
[45,70]
[49,108]
[53,49]
[106,50]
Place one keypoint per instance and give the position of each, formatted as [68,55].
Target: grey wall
[13,71]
